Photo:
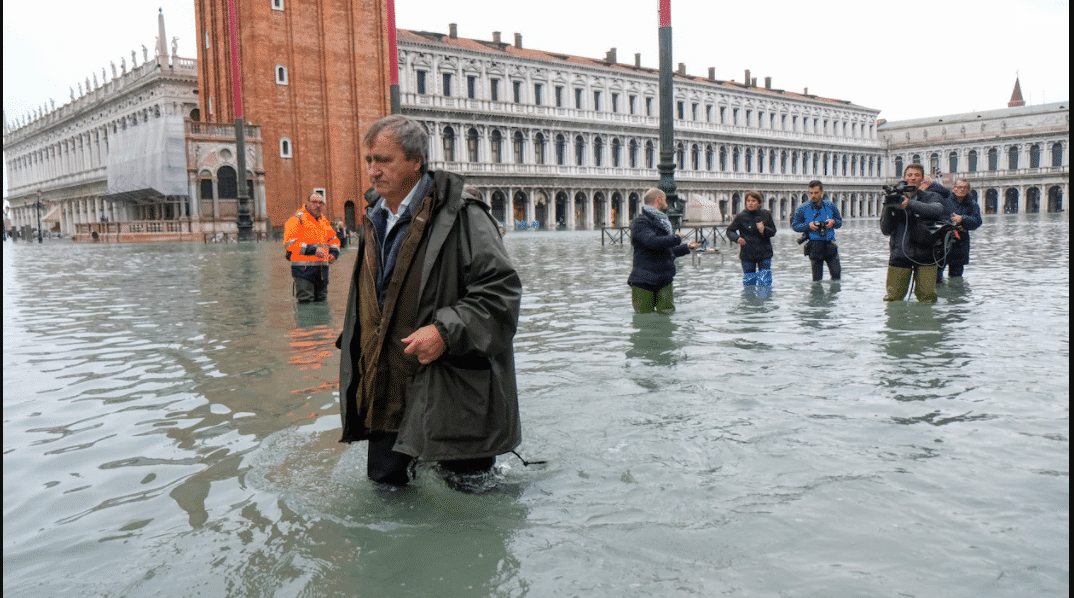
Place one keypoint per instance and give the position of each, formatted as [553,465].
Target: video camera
[895,194]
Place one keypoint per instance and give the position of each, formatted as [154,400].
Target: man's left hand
[425,344]
[331,258]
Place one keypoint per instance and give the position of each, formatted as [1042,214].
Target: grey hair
[410,134]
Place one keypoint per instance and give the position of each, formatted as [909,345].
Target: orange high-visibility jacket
[303,233]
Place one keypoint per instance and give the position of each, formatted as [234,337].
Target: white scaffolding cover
[149,155]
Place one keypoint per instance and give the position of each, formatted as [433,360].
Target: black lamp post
[667,132]
[37,205]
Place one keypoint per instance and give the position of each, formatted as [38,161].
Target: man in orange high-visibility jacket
[311,244]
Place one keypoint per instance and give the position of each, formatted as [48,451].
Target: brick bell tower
[314,75]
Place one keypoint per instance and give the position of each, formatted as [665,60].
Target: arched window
[285,147]
[1034,156]
[226,187]
[794,162]
[633,151]
[916,159]
[649,158]
[617,152]
[723,158]
[520,147]
[471,144]
[1012,158]
[496,146]
[448,138]
[898,166]
[281,74]
[734,159]
[708,157]
[783,162]
[934,163]
[695,157]
[561,150]
[538,148]
[749,160]
[952,162]
[1057,155]
[971,161]
[598,152]
[579,151]
[993,159]
[680,156]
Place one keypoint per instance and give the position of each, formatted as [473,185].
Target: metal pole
[667,133]
[38,206]
[243,222]
[393,61]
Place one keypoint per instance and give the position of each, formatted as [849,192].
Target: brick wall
[337,84]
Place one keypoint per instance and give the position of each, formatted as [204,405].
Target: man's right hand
[741,241]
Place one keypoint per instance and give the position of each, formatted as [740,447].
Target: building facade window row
[429,73]
[1010,157]
[460,142]
[84,151]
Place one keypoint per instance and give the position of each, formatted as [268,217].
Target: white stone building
[123,159]
[574,142]
[1016,159]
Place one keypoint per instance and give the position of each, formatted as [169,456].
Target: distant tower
[314,76]
[1016,96]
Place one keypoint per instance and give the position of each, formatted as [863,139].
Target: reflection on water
[170,429]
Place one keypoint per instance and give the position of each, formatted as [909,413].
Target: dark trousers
[389,467]
[821,252]
[311,283]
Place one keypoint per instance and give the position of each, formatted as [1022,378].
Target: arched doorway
[1055,199]
[723,210]
[540,208]
[635,206]
[580,211]
[1010,201]
[599,209]
[617,209]
[521,209]
[348,216]
[783,208]
[561,210]
[991,201]
[499,208]
[1032,200]
[736,202]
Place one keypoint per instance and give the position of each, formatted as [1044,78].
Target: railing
[164,230]
[220,130]
[596,116]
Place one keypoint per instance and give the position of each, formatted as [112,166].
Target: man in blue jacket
[966,215]
[655,248]
[819,218]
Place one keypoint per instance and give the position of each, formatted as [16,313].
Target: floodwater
[170,429]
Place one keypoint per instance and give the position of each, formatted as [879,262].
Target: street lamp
[666,167]
[38,206]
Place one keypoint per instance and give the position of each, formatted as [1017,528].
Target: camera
[821,225]
[895,194]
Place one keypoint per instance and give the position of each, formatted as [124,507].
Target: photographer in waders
[911,242]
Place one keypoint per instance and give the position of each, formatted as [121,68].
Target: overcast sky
[909,60]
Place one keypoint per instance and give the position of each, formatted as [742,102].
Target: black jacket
[654,253]
[758,245]
[924,207]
